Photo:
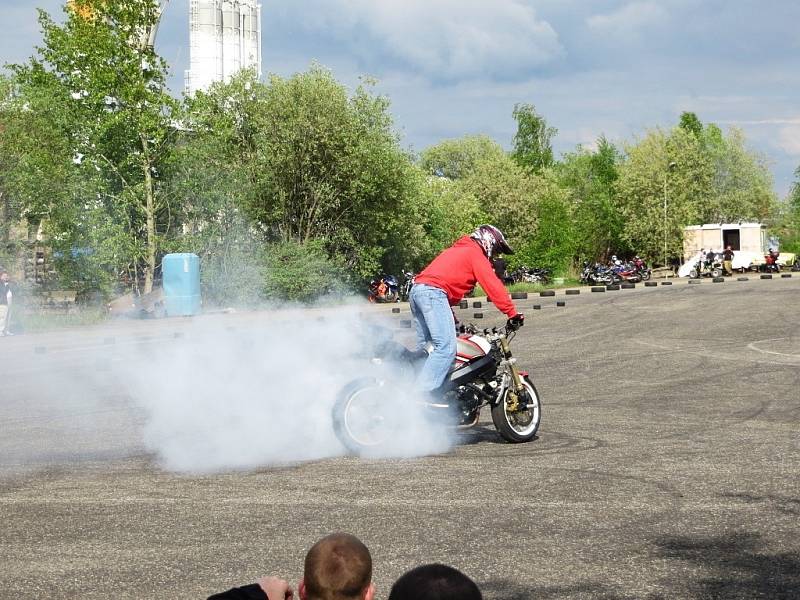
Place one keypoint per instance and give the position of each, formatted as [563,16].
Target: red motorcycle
[626,272]
[384,289]
[640,266]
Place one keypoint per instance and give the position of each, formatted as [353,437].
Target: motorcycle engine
[469,400]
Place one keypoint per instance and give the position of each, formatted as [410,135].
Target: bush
[301,272]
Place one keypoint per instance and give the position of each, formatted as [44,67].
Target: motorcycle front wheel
[521,425]
[364,414]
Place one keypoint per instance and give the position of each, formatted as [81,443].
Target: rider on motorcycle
[442,284]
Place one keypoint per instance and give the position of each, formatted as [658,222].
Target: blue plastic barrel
[181,284]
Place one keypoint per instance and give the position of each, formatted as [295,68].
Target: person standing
[727,260]
[5,303]
[443,284]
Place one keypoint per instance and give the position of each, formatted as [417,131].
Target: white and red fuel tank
[470,347]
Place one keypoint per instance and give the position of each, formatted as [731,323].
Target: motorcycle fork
[512,399]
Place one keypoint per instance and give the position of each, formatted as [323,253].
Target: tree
[647,183]
[506,195]
[302,161]
[456,159]
[533,149]
[742,186]
[589,177]
[690,123]
[110,108]
[9,207]
[787,225]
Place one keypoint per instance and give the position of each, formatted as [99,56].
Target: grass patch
[38,321]
[532,287]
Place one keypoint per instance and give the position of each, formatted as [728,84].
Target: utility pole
[670,167]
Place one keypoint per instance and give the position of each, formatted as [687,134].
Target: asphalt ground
[666,466]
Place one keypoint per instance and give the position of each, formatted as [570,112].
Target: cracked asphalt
[666,467]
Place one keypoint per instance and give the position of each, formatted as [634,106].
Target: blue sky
[591,67]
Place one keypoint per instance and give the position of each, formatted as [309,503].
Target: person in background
[727,260]
[338,567]
[710,257]
[5,303]
[435,582]
[499,266]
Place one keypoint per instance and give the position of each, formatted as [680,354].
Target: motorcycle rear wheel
[362,414]
[519,426]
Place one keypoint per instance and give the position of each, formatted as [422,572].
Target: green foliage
[787,223]
[506,196]
[456,159]
[589,177]
[451,212]
[301,272]
[553,243]
[647,183]
[533,149]
[94,100]
[307,161]
[691,124]
[742,188]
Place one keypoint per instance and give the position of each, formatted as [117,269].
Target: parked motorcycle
[640,266]
[626,272]
[771,264]
[531,275]
[384,289]
[408,283]
[705,268]
[365,415]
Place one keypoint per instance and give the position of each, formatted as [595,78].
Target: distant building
[745,237]
[224,38]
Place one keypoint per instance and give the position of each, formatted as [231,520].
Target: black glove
[515,322]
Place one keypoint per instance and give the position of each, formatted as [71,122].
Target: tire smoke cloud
[234,392]
[262,395]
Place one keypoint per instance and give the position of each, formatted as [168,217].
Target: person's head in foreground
[338,567]
[435,582]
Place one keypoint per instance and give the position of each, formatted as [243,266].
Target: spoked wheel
[515,424]
[364,415]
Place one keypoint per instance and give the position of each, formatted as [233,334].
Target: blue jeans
[433,320]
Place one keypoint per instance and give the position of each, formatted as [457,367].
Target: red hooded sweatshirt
[458,268]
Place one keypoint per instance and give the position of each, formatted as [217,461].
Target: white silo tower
[224,37]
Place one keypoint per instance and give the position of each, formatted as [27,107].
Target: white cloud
[628,20]
[795,121]
[441,39]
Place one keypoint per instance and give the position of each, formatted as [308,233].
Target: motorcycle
[771,264]
[384,289]
[589,274]
[598,274]
[529,275]
[640,266]
[626,272]
[484,373]
[408,283]
[705,268]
